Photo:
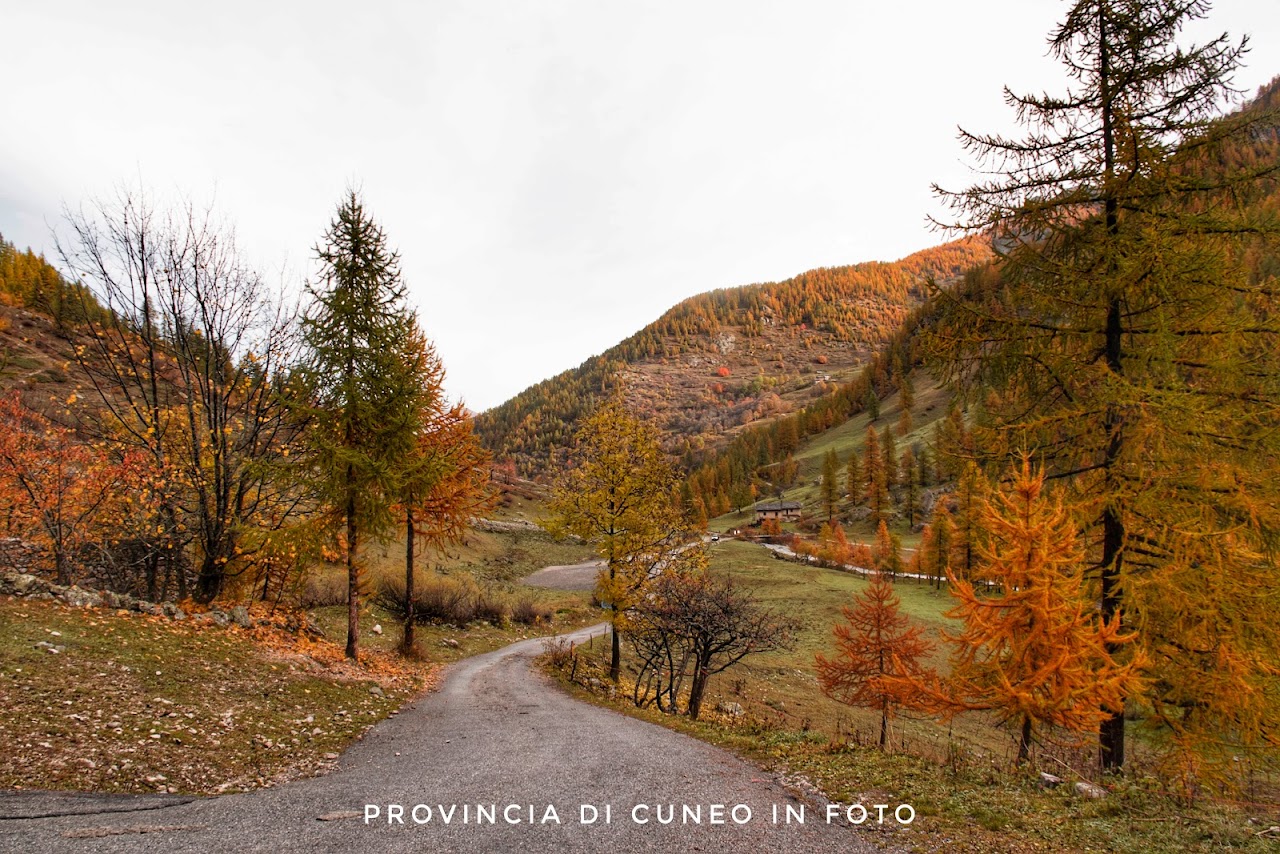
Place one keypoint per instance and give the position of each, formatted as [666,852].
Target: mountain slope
[730,357]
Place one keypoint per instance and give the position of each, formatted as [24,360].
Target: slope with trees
[1128,338]
[728,358]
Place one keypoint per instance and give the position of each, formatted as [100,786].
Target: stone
[21,584]
[377,691]
[220,619]
[1049,781]
[733,710]
[1089,790]
[240,616]
[377,628]
[78,597]
[449,642]
[173,612]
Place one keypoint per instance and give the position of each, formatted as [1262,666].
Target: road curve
[497,733]
[579,576]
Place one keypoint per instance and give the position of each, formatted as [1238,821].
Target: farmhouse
[780,510]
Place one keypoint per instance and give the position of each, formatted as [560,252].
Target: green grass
[781,688]
[930,405]
[959,779]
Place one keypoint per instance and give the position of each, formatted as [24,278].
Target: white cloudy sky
[555,173]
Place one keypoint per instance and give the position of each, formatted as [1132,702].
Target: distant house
[785,511]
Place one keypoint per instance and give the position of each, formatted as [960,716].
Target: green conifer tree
[357,330]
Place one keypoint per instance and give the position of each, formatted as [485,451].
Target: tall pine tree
[1128,342]
[358,331]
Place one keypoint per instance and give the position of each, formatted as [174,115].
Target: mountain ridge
[724,359]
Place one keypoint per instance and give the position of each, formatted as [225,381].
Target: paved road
[579,576]
[497,733]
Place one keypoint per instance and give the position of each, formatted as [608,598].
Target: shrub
[529,613]
[453,600]
[323,589]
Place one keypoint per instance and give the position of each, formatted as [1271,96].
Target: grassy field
[494,560]
[781,688]
[132,703]
[960,779]
[930,405]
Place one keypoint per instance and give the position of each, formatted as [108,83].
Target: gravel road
[498,734]
[579,576]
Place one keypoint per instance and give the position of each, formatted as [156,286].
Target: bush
[323,589]
[453,600]
[528,613]
[489,607]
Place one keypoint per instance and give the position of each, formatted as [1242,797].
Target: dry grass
[134,703]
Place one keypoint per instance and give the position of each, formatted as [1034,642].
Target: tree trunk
[409,616]
[1111,732]
[152,569]
[1024,743]
[60,567]
[884,723]
[697,689]
[353,578]
[208,580]
[615,658]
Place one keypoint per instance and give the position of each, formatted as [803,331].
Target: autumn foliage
[1033,648]
[59,492]
[878,655]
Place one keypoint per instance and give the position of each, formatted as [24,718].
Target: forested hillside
[730,357]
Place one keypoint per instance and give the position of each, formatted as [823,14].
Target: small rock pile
[31,587]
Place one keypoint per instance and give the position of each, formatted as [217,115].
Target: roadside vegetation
[961,778]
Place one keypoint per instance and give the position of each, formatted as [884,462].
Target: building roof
[776,506]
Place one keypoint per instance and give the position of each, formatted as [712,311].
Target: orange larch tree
[1034,651]
[444,482]
[878,656]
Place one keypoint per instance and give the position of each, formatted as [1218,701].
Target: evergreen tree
[907,399]
[1125,338]
[910,488]
[877,488]
[830,483]
[889,448]
[872,403]
[853,482]
[357,331]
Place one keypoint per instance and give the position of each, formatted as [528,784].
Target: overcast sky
[555,173]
